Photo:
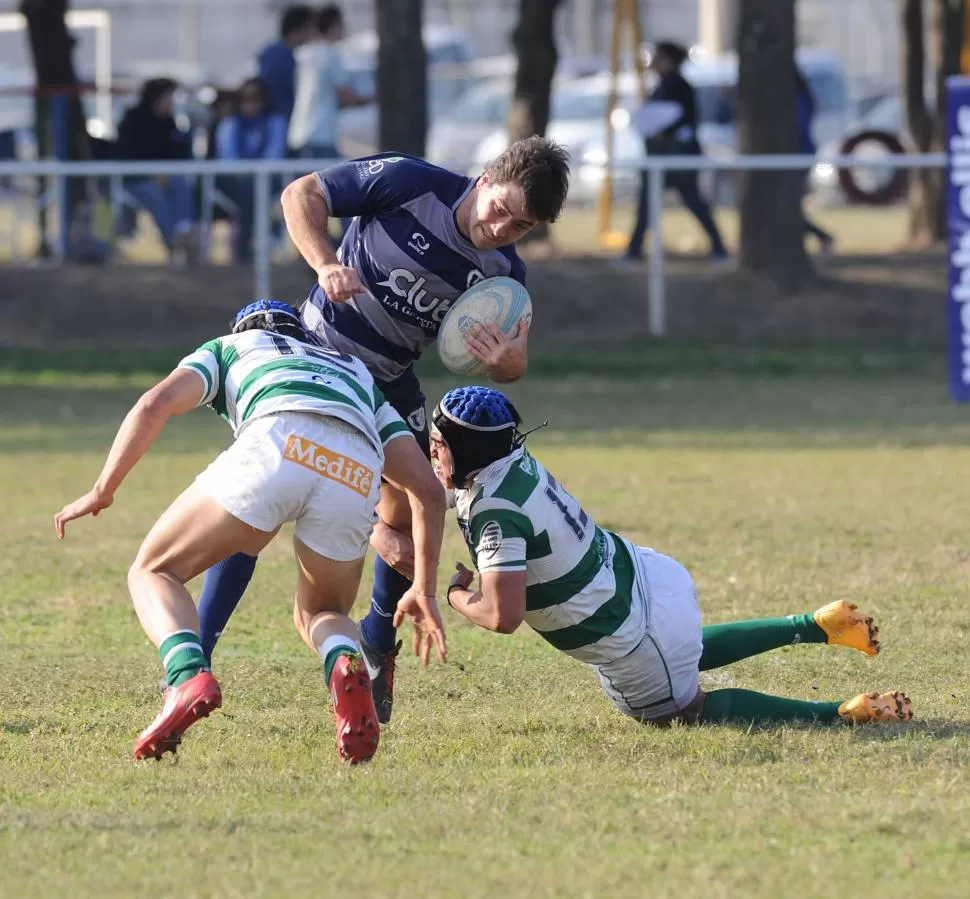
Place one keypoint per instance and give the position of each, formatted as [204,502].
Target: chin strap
[520,436]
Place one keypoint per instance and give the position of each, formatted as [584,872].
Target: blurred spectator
[805,112]
[277,66]
[148,132]
[223,106]
[256,131]
[668,122]
[322,89]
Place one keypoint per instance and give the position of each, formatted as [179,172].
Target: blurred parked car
[472,133]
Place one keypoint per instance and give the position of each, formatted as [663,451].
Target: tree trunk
[402,78]
[772,227]
[927,201]
[534,41]
[51,47]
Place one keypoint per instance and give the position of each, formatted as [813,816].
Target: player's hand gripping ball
[503,302]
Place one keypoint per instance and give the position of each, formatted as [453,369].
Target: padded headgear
[480,426]
[270,315]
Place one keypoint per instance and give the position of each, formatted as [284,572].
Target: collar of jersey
[498,467]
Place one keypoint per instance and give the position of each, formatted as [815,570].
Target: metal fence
[263,173]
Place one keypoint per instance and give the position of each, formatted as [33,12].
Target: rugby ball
[503,301]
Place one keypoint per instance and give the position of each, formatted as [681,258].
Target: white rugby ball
[503,301]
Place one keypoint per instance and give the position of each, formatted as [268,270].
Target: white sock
[337,641]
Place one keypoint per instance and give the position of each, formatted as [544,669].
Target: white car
[474,132]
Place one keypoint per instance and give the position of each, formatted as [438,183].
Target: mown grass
[505,772]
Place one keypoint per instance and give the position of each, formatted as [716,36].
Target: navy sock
[377,628]
[222,589]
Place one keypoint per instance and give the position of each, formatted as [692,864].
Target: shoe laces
[388,664]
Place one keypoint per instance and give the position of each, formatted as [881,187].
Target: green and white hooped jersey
[258,373]
[585,592]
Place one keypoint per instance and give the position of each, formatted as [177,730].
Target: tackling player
[313,436]
[420,236]
[628,611]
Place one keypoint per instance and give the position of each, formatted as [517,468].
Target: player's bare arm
[498,606]
[394,547]
[306,214]
[179,393]
[406,468]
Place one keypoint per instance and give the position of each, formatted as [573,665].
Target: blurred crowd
[300,93]
[288,110]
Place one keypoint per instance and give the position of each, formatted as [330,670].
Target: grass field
[505,772]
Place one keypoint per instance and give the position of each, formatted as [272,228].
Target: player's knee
[146,567]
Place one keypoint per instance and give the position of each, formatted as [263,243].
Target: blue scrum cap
[271,311]
[479,425]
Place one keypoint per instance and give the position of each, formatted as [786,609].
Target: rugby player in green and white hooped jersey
[628,611]
[313,437]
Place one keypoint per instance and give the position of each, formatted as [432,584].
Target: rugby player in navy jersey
[420,236]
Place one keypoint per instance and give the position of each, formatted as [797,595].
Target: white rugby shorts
[314,470]
[661,676]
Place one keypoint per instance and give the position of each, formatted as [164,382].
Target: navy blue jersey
[412,260]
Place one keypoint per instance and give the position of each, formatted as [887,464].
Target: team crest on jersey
[369,167]
[417,419]
[491,539]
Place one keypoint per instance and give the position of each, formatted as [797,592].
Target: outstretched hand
[93,502]
[422,610]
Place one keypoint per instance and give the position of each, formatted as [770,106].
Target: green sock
[727,643]
[182,657]
[747,705]
[331,658]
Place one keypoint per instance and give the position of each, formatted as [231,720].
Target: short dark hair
[328,16]
[541,168]
[257,84]
[293,18]
[676,53]
[154,89]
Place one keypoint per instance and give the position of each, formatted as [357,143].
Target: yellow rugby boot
[877,708]
[845,625]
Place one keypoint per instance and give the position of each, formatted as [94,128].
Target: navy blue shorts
[405,396]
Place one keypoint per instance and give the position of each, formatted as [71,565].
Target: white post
[102,69]
[584,27]
[115,191]
[657,301]
[261,230]
[190,32]
[716,21]
[208,204]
